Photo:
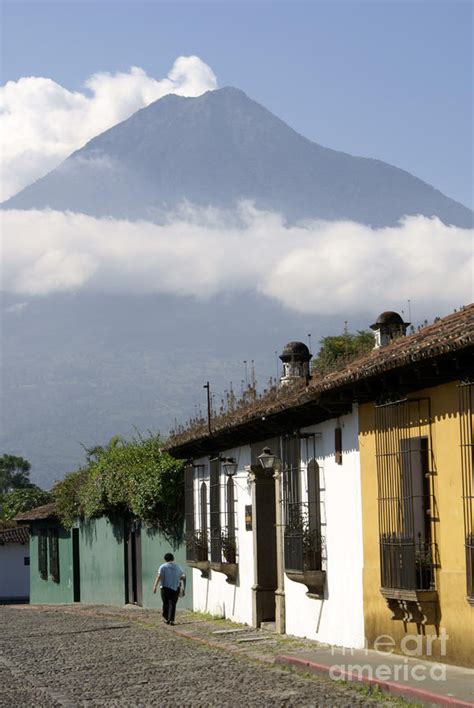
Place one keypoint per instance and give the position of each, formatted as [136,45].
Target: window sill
[419,606]
[202,565]
[313,579]
[229,569]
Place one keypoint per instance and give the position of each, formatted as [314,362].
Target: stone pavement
[423,682]
[73,655]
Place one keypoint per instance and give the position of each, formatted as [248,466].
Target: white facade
[214,594]
[14,574]
[336,616]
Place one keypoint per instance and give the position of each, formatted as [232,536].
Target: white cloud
[319,267]
[42,122]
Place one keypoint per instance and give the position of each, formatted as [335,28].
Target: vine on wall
[127,478]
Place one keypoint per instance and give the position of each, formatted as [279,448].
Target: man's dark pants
[170,598]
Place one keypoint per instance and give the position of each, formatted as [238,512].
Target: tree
[14,473]
[20,500]
[337,351]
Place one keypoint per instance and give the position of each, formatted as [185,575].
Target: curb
[392,687]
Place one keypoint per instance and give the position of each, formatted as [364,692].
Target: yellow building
[416,459]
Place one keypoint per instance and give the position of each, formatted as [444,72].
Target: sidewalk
[421,682]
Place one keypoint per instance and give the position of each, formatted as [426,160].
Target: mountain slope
[220,148]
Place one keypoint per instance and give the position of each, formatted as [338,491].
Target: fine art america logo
[406,669]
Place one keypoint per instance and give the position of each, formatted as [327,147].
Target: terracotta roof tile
[47,511]
[20,534]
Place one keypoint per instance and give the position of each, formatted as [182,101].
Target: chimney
[295,357]
[389,326]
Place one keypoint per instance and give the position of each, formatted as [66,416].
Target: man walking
[170,575]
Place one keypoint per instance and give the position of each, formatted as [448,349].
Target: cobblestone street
[88,656]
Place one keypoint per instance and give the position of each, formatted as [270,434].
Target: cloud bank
[318,267]
[42,122]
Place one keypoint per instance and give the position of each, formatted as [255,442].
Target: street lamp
[267,459]
[230,466]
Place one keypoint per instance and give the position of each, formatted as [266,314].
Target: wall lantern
[267,459]
[230,466]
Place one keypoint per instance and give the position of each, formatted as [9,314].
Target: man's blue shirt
[170,575]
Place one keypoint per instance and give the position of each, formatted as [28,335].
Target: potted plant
[424,566]
[303,553]
[229,548]
[312,549]
[197,546]
[229,564]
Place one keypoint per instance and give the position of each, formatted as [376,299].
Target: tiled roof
[47,511]
[430,344]
[451,333]
[20,534]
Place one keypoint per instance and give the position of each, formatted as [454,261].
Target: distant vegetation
[336,352]
[132,478]
[17,493]
[14,473]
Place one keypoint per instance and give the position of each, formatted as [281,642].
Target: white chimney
[389,326]
[295,357]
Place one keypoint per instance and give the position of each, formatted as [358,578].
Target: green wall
[102,564]
[154,547]
[48,592]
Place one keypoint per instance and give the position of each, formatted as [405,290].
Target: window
[203,512]
[195,509]
[406,500]
[53,539]
[466,413]
[229,539]
[215,510]
[291,472]
[302,513]
[189,510]
[338,445]
[43,553]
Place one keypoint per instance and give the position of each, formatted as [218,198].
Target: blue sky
[391,80]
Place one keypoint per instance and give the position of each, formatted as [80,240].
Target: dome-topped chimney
[389,326]
[295,357]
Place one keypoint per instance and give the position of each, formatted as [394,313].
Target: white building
[14,565]
[275,535]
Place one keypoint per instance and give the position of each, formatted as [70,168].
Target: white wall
[14,574]
[214,594]
[339,618]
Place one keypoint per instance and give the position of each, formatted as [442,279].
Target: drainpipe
[280,591]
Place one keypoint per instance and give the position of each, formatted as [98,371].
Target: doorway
[133,565]
[76,567]
[264,540]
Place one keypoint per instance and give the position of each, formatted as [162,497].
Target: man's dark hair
[169,557]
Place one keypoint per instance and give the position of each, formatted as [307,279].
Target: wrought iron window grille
[303,541]
[406,500]
[466,426]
